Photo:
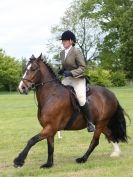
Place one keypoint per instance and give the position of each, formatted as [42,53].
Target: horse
[56,107]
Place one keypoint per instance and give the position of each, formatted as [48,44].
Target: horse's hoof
[115,154]
[81,160]
[46,165]
[18,163]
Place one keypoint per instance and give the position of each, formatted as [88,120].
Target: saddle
[75,104]
[74,99]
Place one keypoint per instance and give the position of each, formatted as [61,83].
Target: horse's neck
[45,74]
[49,81]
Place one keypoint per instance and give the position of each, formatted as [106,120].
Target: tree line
[10,71]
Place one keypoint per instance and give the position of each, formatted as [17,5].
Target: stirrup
[90,127]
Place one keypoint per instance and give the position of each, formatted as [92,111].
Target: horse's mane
[52,72]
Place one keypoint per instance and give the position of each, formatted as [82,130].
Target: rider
[73,65]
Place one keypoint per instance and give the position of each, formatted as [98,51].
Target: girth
[72,120]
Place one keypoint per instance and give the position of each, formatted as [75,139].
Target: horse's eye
[33,68]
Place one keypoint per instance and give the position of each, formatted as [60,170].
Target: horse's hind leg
[116,149]
[93,144]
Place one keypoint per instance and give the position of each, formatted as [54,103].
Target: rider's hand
[67,73]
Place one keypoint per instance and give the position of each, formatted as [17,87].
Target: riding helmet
[67,35]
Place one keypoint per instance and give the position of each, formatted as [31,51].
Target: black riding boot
[86,111]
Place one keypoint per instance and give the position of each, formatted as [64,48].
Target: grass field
[18,123]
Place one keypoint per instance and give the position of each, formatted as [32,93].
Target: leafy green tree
[23,64]
[126,39]
[116,20]
[10,70]
[86,30]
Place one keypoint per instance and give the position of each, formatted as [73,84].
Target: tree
[86,30]
[10,70]
[116,20]
[23,64]
[126,39]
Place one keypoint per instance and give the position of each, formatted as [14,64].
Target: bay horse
[55,109]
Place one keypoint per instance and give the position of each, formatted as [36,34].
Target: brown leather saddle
[73,96]
[75,104]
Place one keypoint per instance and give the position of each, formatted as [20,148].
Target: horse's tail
[117,125]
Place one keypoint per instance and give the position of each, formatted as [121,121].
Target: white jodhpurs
[79,85]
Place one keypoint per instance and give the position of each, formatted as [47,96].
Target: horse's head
[31,75]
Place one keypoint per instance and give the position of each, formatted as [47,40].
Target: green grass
[18,123]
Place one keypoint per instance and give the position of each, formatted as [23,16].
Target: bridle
[44,83]
[34,85]
[39,84]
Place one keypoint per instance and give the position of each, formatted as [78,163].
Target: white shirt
[67,50]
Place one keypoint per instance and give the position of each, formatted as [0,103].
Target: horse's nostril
[23,88]
[33,85]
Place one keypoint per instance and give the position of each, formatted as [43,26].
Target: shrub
[118,78]
[99,76]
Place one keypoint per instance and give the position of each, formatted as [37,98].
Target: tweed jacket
[73,62]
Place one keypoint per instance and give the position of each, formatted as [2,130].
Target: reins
[43,83]
[37,85]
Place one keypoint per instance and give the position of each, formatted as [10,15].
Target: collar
[67,50]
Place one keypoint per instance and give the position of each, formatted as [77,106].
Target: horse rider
[73,66]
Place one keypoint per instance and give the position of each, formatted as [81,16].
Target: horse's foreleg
[93,144]
[45,133]
[50,143]
[19,161]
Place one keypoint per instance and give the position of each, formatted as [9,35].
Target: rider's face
[67,43]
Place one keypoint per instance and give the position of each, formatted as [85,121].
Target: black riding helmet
[67,35]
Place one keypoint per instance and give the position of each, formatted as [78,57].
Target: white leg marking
[116,150]
[20,86]
[59,135]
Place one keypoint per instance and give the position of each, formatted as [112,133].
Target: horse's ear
[40,57]
[32,57]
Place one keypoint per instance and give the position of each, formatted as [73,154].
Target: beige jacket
[73,62]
